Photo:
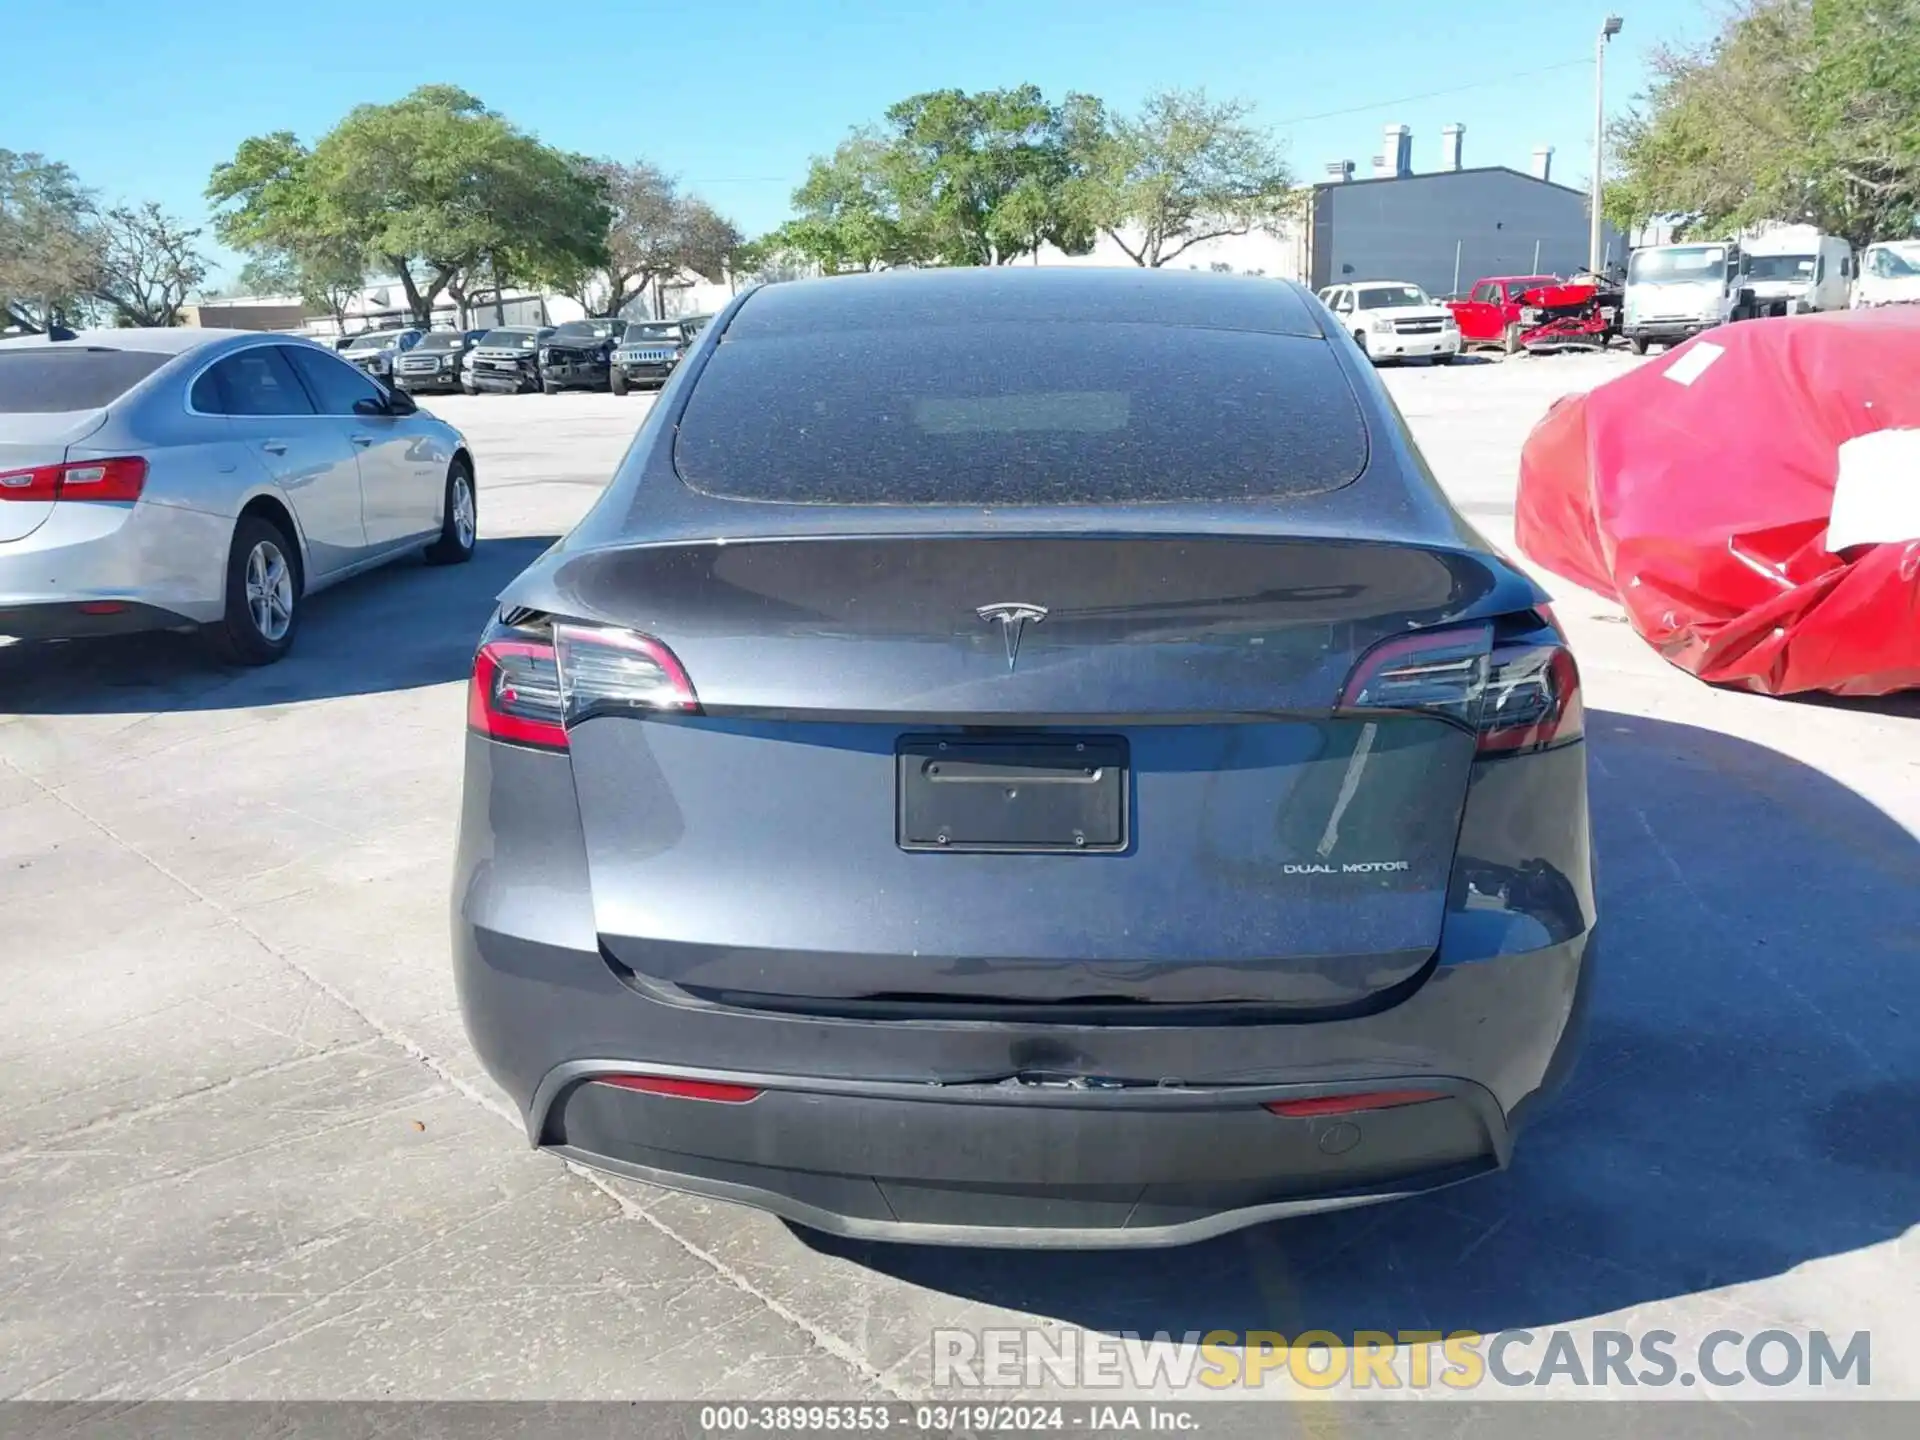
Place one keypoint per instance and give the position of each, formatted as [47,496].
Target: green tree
[1798,110]
[1186,169]
[848,216]
[983,179]
[435,188]
[948,178]
[770,259]
[49,248]
[273,273]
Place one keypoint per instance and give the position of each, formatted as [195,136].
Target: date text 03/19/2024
[945,1419]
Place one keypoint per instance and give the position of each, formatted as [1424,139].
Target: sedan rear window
[1021,414]
[45,380]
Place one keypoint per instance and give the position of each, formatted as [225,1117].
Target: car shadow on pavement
[403,626]
[1903,703]
[1746,1101]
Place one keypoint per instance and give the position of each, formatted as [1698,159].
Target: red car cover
[1696,490]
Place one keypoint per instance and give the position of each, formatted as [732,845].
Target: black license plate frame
[1013,794]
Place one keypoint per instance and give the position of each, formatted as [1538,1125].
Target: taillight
[120,479]
[515,694]
[528,691]
[1514,696]
[1532,700]
[617,672]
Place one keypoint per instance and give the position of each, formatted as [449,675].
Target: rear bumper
[81,620]
[164,564]
[911,1131]
[1022,1166]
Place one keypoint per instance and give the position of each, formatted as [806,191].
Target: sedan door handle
[361,440]
[274,447]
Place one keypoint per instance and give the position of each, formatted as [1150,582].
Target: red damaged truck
[1538,313]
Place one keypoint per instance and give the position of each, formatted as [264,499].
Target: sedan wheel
[269,591]
[263,595]
[460,525]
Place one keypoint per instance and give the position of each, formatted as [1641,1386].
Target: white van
[1889,274]
[1793,269]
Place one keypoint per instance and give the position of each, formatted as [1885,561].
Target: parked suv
[507,360]
[578,355]
[376,350]
[1394,320]
[649,350]
[436,362]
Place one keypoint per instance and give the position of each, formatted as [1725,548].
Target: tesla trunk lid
[1147,793]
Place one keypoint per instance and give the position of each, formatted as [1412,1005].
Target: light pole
[1608,29]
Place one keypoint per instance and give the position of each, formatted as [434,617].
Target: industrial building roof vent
[1450,146]
[1543,162]
[1340,170]
[1397,152]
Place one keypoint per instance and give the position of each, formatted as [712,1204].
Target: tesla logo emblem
[1013,620]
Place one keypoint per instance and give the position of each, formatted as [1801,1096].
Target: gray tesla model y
[1025,757]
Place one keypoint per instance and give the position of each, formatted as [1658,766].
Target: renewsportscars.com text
[1411,1359]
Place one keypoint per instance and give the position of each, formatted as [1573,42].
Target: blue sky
[144,97]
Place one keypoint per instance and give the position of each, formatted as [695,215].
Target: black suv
[435,362]
[649,350]
[507,360]
[577,354]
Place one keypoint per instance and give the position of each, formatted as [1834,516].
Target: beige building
[249,313]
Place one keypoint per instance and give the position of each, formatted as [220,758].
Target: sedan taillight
[121,479]
[529,691]
[1515,696]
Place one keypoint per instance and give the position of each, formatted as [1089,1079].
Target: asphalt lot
[245,1152]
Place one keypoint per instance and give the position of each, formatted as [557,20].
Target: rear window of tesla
[40,380]
[1021,414]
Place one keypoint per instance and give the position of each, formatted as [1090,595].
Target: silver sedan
[161,479]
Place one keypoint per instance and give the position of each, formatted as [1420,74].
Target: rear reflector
[102,607]
[1515,697]
[528,691]
[1351,1104]
[120,479]
[713,1090]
